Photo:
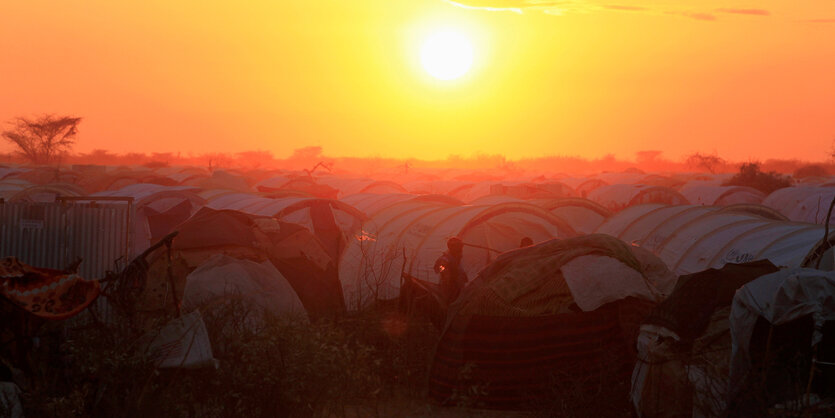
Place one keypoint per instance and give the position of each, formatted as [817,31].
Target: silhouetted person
[448,265]
[526,242]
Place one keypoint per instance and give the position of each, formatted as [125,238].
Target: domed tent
[47,193]
[560,313]
[780,324]
[582,214]
[350,186]
[300,257]
[721,195]
[684,345]
[618,196]
[694,238]
[371,204]
[802,204]
[260,284]
[333,221]
[418,229]
[299,183]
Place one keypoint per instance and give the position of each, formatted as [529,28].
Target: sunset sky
[746,79]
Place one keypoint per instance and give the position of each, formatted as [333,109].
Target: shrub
[751,176]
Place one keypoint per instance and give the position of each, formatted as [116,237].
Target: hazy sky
[747,79]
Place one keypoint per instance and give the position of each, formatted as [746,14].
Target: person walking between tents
[448,265]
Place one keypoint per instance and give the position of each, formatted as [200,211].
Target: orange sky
[749,80]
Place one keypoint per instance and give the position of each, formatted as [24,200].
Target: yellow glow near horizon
[446,55]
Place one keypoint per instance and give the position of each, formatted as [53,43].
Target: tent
[582,214]
[776,322]
[684,345]
[721,195]
[259,284]
[547,317]
[409,236]
[619,196]
[802,203]
[694,238]
[159,209]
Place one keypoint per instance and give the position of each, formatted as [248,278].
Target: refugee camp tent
[619,196]
[10,187]
[47,193]
[371,204]
[260,285]
[409,236]
[299,255]
[684,345]
[775,322]
[350,186]
[333,221]
[560,315]
[159,209]
[299,183]
[582,214]
[694,238]
[802,203]
[721,195]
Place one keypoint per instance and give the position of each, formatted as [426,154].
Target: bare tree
[44,139]
[708,162]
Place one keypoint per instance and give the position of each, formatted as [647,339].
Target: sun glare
[446,55]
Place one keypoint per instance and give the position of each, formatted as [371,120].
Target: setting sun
[446,55]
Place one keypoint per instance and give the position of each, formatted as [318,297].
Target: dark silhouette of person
[448,266]
[526,242]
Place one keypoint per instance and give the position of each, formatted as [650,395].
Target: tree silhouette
[44,139]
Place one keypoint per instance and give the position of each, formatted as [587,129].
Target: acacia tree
[44,139]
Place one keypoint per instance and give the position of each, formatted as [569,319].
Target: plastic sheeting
[371,267]
[618,196]
[779,298]
[721,195]
[695,238]
[802,204]
[222,276]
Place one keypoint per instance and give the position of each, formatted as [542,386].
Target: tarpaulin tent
[721,195]
[802,203]
[559,313]
[582,214]
[694,238]
[616,197]
[418,229]
[684,345]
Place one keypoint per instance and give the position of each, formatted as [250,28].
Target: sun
[446,55]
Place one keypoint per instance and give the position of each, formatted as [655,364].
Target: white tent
[418,229]
[694,238]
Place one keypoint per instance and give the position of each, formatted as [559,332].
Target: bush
[751,176]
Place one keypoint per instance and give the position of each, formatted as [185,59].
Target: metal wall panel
[54,235]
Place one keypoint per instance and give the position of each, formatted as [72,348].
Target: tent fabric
[694,238]
[802,203]
[261,284]
[517,332]
[721,195]
[584,215]
[684,344]
[409,236]
[618,196]
[47,293]
[531,281]
[778,298]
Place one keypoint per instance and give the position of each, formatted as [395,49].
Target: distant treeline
[309,157]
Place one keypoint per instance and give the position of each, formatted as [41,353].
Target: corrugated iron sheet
[54,235]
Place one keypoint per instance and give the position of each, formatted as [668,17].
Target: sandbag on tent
[775,322]
[260,284]
[545,316]
[684,344]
